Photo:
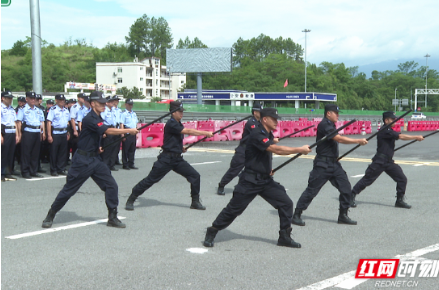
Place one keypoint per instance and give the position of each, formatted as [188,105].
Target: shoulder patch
[265,140]
[253,126]
[53,108]
[100,124]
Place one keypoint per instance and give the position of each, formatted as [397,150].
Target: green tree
[134,93]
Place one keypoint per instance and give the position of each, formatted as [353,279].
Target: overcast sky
[349,31]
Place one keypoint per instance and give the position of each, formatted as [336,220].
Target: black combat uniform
[169,159]
[87,163]
[256,180]
[383,162]
[238,159]
[326,167]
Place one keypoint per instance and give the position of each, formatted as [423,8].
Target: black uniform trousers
[246,190]
[8,150]
[320,174]
[72,144]
[375,169]
[17,155]
[129,150]
[109,152]
[58,150]
[30,152]
[236,165]
[162,166]
[82,168]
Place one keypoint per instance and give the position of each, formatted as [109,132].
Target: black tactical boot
[401,203]
[196,204]
[113,221]
[130,202]
[344,219]
[353,204]
[296,218]
[210,236]
[47,223]
[285,239]
[220,189]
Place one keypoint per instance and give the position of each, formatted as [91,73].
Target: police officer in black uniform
[383,162]
[171,159]
[238,159]
[326,167]
[257,179]
[87,162]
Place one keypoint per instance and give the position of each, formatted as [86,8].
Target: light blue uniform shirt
[129,119]
[59,118]
[32,117]
[82,113]
[74,113]
[109,117]
[117,112]
[8,117]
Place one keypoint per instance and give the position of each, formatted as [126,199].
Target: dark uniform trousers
[236,165]
[82,168]
[162,166]
[375,169]
[109,152]
[8,150]
[246,190]
[129,150]
[72,144]
[58,151]
[30,152]
[320,174]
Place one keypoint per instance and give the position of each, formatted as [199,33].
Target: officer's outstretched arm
[194,132]
[406,137]
[347,140]
[285,150]
[114,131]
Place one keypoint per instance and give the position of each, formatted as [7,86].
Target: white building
[151,78]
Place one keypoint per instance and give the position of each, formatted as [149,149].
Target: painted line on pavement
[348,281]
[356,176]
[45,178]
[202,163]
[51,230]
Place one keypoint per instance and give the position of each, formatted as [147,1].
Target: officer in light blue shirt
[83,111]
[129,120]
[74,115]
[10,136]
[118,112]
[32,120]
[58,120]
[109,117]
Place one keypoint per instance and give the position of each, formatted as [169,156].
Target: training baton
[411,142]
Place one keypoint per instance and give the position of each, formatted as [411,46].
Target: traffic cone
[379,126]
[363,130]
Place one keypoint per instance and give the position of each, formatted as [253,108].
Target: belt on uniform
[59,129]
[172,154]
[327,159]
[259,175]
[85,153]
[11,127]
[32,127]
[388,158]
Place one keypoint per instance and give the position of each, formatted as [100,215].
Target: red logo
[377,268]
[265,140]
[100,124]
[253,126]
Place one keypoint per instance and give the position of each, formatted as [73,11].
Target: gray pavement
[151,253]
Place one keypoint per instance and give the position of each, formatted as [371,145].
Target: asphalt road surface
[160,248]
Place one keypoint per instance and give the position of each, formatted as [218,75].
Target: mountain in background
[433,63]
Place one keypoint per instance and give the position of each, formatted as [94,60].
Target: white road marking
[359,175]
[43,178]
[205,163]
[197,250]
[348,281]
[51,230]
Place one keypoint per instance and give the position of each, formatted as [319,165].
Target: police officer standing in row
[45,152]
[128,120]
[383,162]
[238,159]
[326,167]
[83,111]
[74,114]
[87,163]
[57,122]
[171,158]
[257,179]
[39,99]
[110,120]
[17,155]
[118,112]
[10,136]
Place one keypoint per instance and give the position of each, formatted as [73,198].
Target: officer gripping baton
[140,128]
[330,135]
[243,119]
[296,132]
[373,135]
[411,142]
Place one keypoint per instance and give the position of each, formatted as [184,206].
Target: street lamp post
[395,97]
[426,73]
[306,32]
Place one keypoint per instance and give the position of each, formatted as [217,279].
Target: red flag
[286,83]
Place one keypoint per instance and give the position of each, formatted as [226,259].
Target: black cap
[72,100]
[389,114]
[7,94]
[109,98]
[80,95]
[257,106]
[270,112]
[97,96]
[31,95]
[60,97]
[115,98]
[21,99]
[39,97]
[129,101]
[50,101]
[86,98]
[332,108]
[174,105]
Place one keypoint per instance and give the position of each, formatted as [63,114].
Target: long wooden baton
[296,132]
[140,128]
[230,125]
[330,135]
[411,142]
[376,133]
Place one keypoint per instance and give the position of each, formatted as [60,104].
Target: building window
[156,82]
[119,80]
[157,72]
[182,82]
[141,79]
[141,90]
[157,61]
[156,92]
[119,69]
[141,68]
